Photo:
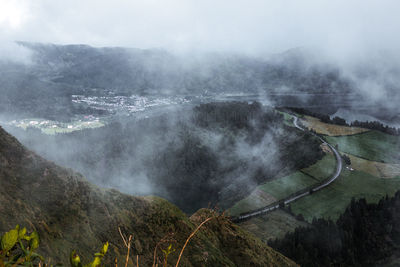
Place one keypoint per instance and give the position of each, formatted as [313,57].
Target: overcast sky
[347,26]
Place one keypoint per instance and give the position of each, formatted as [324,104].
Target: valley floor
[374,172]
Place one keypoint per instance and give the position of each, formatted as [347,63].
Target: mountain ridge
[59,71]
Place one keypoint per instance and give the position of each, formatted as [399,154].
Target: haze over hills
[284,114]
[138,71]
[298,77]
[213,153]
[70,213]
[56,72]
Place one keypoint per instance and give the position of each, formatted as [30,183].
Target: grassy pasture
[280,188]
[257,199]
[373,145]
[330,129]
[55,127]
[283,187]
[272,225]
[378,169]
[332,200]
[287,118]
[323,169]
[275,190]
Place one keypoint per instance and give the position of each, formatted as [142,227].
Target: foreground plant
[76,260]
[18,248]
[190,237]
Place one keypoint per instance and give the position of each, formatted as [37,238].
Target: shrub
[18,248]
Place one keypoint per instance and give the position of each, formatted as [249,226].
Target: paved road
[339,164]
[300,194]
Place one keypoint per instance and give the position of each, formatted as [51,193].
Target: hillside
[362,178]
[69,212]
[212,153]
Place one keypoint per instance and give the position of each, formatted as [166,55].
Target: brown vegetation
[330,129]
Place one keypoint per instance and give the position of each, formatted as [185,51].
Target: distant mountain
[136,71]
[59,71]
[69,212]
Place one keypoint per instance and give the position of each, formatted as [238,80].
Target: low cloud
[345,29]
[13,52]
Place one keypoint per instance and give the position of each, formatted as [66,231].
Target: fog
[193,47]
[342,28]
[11,52]
[348,34]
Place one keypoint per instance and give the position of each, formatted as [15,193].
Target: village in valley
[108,106]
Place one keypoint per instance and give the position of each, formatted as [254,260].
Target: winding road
[301,193]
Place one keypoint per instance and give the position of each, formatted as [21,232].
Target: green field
[55,127]
[332,200]
[323,169]
[363,182]
[277,189]
[287,118]
[76,127]
[283,187]
[257,199]
[272,225]
[371,145]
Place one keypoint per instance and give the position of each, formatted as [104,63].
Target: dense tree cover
[376,125]
[346,159]
[253,119]
[373,125]
[235,115]
[217,153]
[214,169]
[366,234]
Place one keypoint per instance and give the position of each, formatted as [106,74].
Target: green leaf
[75,260]
[35,255]
[34,240]
[21,233]
[96,262]
[104,249]
[98,256]
[9,239]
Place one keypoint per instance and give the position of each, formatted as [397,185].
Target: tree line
[372,125]
[366,234]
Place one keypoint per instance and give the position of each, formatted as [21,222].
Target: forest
[366,234]
[210,154]
[372,125]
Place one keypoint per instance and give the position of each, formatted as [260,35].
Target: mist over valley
[184,133]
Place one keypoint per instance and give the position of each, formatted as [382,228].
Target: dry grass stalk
[168,238]
[127,242]
[190,237]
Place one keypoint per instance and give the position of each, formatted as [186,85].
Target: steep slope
[68,212]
